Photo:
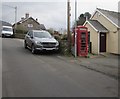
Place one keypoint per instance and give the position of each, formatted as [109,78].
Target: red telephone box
[82,40]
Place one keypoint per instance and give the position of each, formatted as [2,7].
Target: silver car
[38,40]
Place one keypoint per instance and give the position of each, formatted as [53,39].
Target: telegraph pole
[68,26]
[75,28]
[15,20]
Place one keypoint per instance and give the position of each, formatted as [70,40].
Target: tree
[51,31]
[82,18]
[87,15]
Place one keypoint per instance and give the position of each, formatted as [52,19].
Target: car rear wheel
[33,49]
[3,35]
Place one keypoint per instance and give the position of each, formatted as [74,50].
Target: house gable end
[106,17]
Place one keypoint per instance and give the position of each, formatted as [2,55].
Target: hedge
[19,35]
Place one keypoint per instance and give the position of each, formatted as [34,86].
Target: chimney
[27,15]
[86,18]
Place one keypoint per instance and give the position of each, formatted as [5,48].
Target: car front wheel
[33,49]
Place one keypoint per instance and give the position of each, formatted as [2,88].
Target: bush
[57,38]
[64,37]
[63,48]
[21,31]
[19,35]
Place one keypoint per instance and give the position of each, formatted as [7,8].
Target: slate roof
[42,27]
[25,19]
[113,16]
[3,23]
[98,26]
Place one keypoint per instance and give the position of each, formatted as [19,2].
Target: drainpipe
[98,42]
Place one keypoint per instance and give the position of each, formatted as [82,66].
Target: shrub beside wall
[20,34]
[63,45]
[63,49]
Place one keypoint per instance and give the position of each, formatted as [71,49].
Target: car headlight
[57,43]
[38,43]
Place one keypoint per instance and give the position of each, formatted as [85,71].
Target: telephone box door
[82,41]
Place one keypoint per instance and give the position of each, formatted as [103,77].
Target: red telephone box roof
[81,26]
[78,27]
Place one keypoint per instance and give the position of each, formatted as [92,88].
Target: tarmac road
[47,75]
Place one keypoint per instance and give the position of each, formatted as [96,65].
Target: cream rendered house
[104,31]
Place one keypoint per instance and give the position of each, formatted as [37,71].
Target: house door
[102,42]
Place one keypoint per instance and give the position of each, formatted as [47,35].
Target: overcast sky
[52,13]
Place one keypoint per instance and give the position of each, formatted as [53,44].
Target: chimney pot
[22,18]
[27,15]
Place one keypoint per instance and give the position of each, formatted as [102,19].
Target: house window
[30,25]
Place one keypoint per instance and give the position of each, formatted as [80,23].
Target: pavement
[104,63]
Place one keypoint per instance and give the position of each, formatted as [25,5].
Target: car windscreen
[7,29]
[42,34]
